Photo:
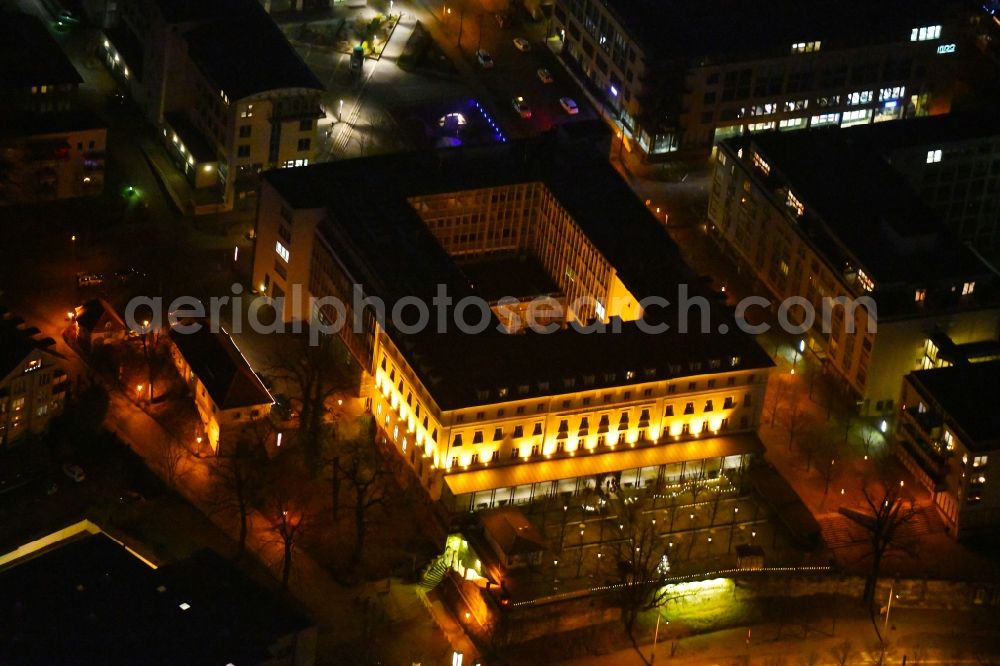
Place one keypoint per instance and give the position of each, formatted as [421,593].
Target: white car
[569,106]
[74,472]
[521,107]
[544,75]
[484,58]
[522,44]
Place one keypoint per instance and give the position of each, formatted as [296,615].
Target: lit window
[761,164]
[282,251]
[933,156]
[980,461]
[925,34]
[784,268]
[824,119]
[805,47]
[865,281]
[968,288]
[859,97]
[920,295]
[796,205]
[896,92]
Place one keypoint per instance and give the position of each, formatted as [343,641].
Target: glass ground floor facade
[651,470]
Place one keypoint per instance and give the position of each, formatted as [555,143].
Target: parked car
[569,106]
[521,106]
[484,58]
[544,75]
[131,497]
[522,44]
[89,279]
[74,472]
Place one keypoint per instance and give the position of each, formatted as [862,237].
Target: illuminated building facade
[226,391]
[948,434]
[505,414]
[684,75]
[818,216]
[52,148]
[32,381]
[225,111]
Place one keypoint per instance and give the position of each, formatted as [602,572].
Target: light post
[732,527]
[656,635]
[340,111]
[888,609]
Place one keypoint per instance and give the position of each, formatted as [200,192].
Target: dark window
[245,131]
[305,125]
[304,144]
[243,151]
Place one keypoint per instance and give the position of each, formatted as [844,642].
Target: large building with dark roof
[684,74]
[230,94]
[79,596]
[506,413]
[820,216]
[947,435]
[52,148]
[32,380]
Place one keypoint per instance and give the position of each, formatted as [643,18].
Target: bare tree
[236,478]
[284,502]
[889,514]
[365,474]
[315,372]
[842,652]
[642,564]
[170,460]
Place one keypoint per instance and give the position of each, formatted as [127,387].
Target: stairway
[434,573]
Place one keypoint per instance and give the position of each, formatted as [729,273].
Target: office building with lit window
[682,76]
[821,216]
[495,417]
[32,380]
[953,163]
[50,147]
[218,78]
[947,435]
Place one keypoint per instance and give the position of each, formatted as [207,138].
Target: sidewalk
[926,638]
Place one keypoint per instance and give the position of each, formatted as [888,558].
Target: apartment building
[820,216]
[681,76]
[229,94]
[32,380]
[50,146]
[947,433]
[505,414]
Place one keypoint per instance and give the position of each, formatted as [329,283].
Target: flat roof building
[947,434]
[682,75]
[218,78]
[821,216]
[53,148]
[86,598]
[505,413]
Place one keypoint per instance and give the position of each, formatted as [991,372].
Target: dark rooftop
[923,132]
[858,210]
[385,246]
[16,341]
[967,393]
[90,601]
[243,52]
[221,367]
[29,56]
[196,143]
[692,28]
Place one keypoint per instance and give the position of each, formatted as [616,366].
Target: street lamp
[340,111]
